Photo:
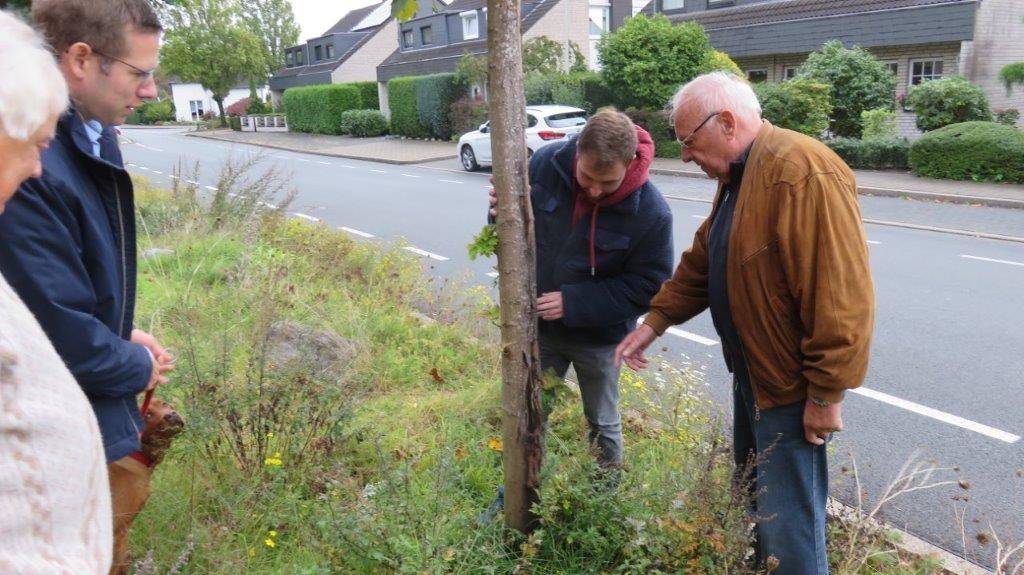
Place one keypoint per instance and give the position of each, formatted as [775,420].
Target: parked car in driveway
[544,125]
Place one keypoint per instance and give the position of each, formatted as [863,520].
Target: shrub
[875,154]
[721,62]
[858,82]
[658,125]
[239,108]
[405,119]
[364,123]
[318,109]
[947,101]
[1012,75]
[596,93]
[434,97]
[1008,116]
[800,105]
[257,106]
[980,151]
[879,124]
[152,112]
[557,88]
[235,122]
[542,55]
[368,94]
[466,115]
[646,60]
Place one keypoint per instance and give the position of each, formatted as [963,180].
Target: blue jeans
[599,387]
[790,480]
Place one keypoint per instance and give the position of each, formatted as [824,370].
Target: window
[600,19]
[789,72]
[923,70]
[672,4]
[300,58]
[566,119]
[470,25]
[531,120]
[755,76]
[196,109]
[407,38]
[893,68]
[426,36]
[330,51]
[291,58]
[319,52]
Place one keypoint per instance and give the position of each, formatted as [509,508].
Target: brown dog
[130,476]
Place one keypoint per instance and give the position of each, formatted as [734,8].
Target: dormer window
[426,35]
[470,25]
[291,59]
[330,51]
[319,51]
[407,38]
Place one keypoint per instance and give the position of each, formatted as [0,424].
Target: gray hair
[717,91]
[32,89]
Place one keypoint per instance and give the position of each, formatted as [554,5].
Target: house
[919,40]
[349,51]
[434,43]
[192,100]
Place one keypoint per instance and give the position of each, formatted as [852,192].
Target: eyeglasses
[688,140]
[140,74]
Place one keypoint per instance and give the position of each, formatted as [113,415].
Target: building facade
[192,101]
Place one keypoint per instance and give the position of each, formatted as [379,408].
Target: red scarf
[636,175]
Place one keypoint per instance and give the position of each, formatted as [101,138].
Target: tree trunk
[223,117]
[520,367]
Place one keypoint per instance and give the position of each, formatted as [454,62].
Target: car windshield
[567,119]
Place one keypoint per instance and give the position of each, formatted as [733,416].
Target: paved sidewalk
[383,149]
[895,184]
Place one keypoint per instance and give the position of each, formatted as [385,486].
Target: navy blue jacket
[633,244]
[67,246]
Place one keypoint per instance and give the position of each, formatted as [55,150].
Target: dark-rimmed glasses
[688,140]
[142,75]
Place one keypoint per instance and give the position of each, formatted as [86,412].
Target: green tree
[543,55]
[471,71]
[647,59]
[951,100]
[273,22]
[721,62]
[208,43]
[858,82]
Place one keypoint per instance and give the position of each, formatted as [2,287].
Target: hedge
[657,124]
[235,122]
[980,151]
[420,105]
[596,94]
[368,94]
[874,154]
[364,123]
[318,109]
[152,112]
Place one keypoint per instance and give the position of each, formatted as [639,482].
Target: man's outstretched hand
[631,349]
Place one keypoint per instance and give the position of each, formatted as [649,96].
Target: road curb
[325,154]
[891,192]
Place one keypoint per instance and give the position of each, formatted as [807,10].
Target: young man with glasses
[782,263]
[67,239]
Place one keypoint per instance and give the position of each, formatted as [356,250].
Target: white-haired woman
[54,496]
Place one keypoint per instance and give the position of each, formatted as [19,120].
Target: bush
[951,100]
[800,105]
[879,124]
[257,106]
[662,132]
[721,62]
[1012,75]
[875,154]
[434,97]
[646,60]
[318,109]
[980,151]
[1008,116]
[235,122]
[364,123]
[858,82]
[466,115]
[152,112]
[239,108]
[368,94]
[405,119]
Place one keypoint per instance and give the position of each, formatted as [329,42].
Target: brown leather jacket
[799,281]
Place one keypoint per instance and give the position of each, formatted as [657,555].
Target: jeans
[599,386]
[789,478]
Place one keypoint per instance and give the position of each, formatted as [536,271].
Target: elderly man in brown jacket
[782,263]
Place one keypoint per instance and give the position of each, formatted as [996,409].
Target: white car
[544,125]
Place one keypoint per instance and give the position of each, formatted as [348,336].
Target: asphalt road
[947,365]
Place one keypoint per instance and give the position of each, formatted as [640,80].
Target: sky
[314,17]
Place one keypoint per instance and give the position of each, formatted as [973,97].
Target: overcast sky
[316,16]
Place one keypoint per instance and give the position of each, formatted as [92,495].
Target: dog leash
[145,402]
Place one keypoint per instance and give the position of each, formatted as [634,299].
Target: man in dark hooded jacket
[604,247]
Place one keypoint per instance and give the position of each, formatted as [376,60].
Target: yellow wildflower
[272,533]
[269,543]
[495,444]
[274,461]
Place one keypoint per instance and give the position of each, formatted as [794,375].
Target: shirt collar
[94,131]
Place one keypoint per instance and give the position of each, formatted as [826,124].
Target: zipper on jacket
[124,264]
[757,408]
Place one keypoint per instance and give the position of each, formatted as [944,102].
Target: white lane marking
[356,232]
[131,165]
[348,166]
[686,335]
[410,176]
[143,168]
[305,217]
[233,195]
[211,188]
[301,160]
[193,182]
[148,147]
[874,242]
[267,205]
[450,181]
[425,253]
[158,172]
[979,258]
[939,415]
[492,274]
[172,176]
[700,217]
[324,163]
[379,171]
